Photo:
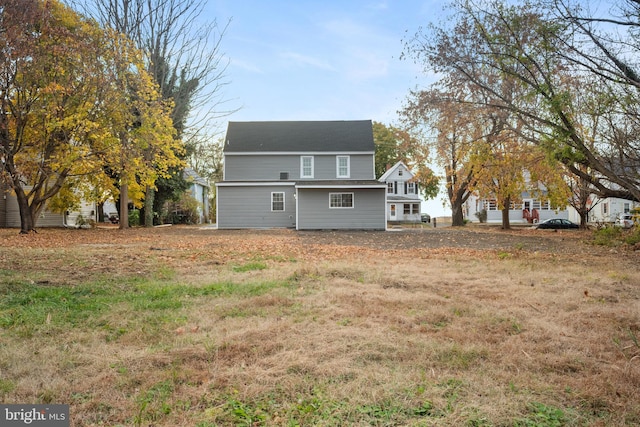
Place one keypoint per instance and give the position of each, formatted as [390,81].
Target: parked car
[557,224]
[624,221]
[425,218]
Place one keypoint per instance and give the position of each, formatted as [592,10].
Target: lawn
[182,326]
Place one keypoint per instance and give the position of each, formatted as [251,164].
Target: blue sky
[320,60]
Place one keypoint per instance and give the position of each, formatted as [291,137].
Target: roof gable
[393,169]
[299,136]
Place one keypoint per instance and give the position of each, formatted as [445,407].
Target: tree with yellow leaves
[76,108]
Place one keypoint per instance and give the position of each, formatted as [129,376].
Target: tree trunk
[100,207]
[124,205]
[505,214]
[506,225]
[27,220]
[148,206]
[584,218]
[457,216]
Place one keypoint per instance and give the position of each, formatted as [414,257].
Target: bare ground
[473,326]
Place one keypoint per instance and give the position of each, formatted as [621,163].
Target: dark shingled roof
[300,136]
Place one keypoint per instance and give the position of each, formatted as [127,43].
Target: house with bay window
[303,175]
[403,199]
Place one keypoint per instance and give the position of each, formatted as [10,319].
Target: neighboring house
[609,209]
[10,213]
[199,190]
[88,211]
[529,210]
[403,198]
[300,174]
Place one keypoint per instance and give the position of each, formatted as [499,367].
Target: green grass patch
[250,266]
[28,308]
[541,415]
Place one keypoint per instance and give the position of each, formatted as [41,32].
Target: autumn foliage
[81,119]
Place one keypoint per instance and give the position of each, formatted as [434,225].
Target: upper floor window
[306,167]
[390,187]
[411,188]
[400,172]
[343,166]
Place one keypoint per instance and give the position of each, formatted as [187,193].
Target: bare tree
[184,55]
[551,51]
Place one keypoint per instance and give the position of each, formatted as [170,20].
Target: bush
[134,218]
[482,216]
[632,237]
[616,236]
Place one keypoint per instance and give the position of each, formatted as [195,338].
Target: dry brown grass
[326,334]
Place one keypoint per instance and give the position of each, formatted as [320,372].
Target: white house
[403,198]
[609,209]
[529,210]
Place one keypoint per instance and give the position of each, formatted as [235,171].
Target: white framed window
[277,202]
[306,167]
[390,187]
[340,200]
[411,188]
[343,166]
[411,208]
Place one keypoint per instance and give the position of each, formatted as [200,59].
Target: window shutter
[395,187]
[416,187]
[405,187]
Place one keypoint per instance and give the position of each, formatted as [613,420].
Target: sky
[321,60]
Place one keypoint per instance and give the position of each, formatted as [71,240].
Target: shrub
[482,215]
[134,218]
[607,236]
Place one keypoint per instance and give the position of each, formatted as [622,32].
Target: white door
[392,212]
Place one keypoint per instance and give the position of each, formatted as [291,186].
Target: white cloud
[246,66]
[307,60]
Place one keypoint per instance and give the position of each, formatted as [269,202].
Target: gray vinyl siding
[45,219]
[3,207]
[315,214]
[250,207]
[11,212]
[268,167]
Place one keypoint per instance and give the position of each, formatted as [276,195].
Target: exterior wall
[609,209]
[515,216]
[10,214]
[367,212]
[88,212]
[475,204]
[3,206]
[400,215]
[199,192]
[267,167]
[249,206]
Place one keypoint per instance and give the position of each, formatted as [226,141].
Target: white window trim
[283,201]
[348,174]
[353,202]
[411,188]
[302,175]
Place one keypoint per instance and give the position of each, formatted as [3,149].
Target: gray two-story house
[300,174]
